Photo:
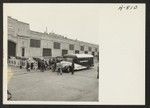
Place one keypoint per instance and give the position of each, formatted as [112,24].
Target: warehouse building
[23,42]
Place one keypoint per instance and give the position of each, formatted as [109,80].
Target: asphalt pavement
[48,86]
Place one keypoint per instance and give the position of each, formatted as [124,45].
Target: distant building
[24,42]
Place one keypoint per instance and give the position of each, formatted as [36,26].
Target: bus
[81,61]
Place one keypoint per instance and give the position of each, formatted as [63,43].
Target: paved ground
[48,86]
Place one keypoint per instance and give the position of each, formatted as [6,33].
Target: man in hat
[72,67]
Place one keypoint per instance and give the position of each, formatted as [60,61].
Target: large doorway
[23,52]
[64,52]
[11,48]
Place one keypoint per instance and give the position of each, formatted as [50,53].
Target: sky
[72,21]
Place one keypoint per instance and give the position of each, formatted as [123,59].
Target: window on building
[35,43]
[90,49]
[64,52]
[56,45]
[47,52]
[76,51]
[82,48]
[96,49]
[86,52]
[71,47]
[93,53]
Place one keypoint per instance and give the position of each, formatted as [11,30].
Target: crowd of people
[41,64]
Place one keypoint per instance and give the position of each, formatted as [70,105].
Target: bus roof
[79,55]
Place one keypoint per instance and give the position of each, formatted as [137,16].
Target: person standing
[46,65]
[38,64]
[54,65]
[97,72]
[35,66]
[59,66]
[42,66]
[72,67]
[32,65]
[28,66]
[50,63]
[21,63]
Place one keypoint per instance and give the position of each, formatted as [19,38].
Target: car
[66,66]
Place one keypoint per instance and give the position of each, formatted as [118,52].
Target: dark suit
[72,68]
